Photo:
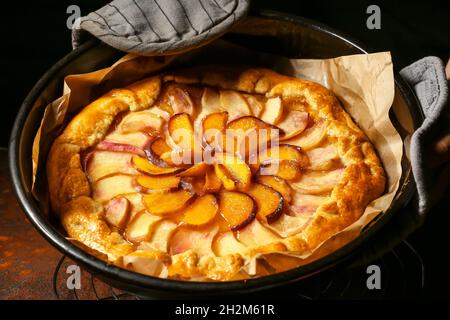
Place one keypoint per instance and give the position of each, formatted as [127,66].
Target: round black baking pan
[291,36]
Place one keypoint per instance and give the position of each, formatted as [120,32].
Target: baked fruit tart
[193,174]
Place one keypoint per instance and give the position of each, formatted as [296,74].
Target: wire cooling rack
[402,270]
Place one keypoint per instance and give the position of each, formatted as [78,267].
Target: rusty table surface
[27,260]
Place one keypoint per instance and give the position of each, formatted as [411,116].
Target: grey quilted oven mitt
[156,27]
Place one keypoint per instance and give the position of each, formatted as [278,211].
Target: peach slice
[285,152]
[273,111]
[317,182]
[140,227]
[198,169]
[255,103]
[234,103]
[100,164]
[278,184]
[194,184]
[145,166]
[247,123]
[286,169]
[287,226]
[323,158]
[117,212]
[250,134]
[237,208]
[256,235]
[180,101]
[214,126]
[225,243]
[154,149]
[149,262]
[135,201]
[201,211]
[306,204]
[137,139]
[141,121]
[236,169]
[224,176]
[312,136]
[158,182]
[293,123]
[107,188]
[269,202]
[199,241]
[162,233]
[181,131]
[163,203]
[107,145]
[212,182]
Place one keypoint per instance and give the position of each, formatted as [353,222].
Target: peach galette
[195,173]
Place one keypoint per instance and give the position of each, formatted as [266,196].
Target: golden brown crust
[361,182]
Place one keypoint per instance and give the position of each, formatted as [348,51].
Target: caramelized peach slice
[323,158]
[198,169]
[145,166]
[278,184]
[194,184]
[237,208]
[214,126]
[247,123]
[285,152]
[256,235]
[212,182]
[286,169]
[250,134]
[107,188]
[163,203]
[140,227]
[154,149]
[158,182]
[181,131]
[201,211]
[217,120]
[180,101]
[141,121]
[100,164]
[225,243]
[234,103]
[117,212]
[224,176]
[273,110]
[312,136]
[293,123]
[199,241]
[317,182]
[236,169]
[268,201]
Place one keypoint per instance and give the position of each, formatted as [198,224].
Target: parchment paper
[363,83]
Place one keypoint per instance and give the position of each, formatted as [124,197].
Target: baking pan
[287,35]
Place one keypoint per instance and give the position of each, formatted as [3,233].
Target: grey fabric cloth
[155,27]
[427,78]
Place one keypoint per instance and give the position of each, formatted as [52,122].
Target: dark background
[34,36]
